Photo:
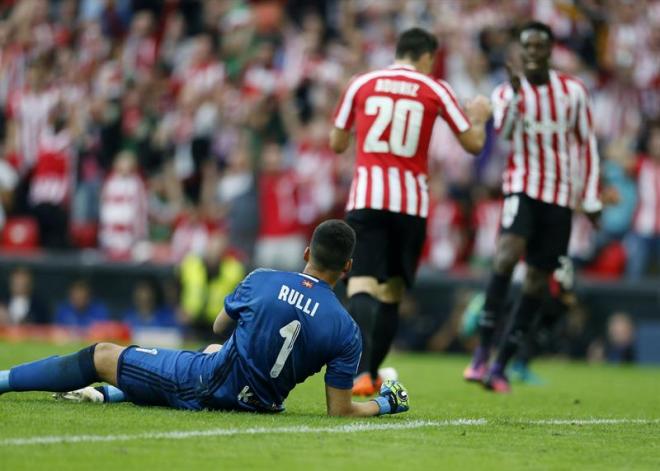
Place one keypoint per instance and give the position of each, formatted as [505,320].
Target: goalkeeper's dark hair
[414,42]
[536,26]
[332,245]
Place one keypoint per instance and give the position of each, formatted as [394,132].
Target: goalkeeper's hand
[392,398]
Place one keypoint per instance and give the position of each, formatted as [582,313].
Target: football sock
[364,308]
[111,393]
[4,381]
[384,332]
[517,330]
[496,294]
[56,373]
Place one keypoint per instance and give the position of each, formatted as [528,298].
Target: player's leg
[548,244]
[390,295]
[362,288]
[62,373]
[516,226]
[164,377]
[405,242]
[106,359]
[363,306]
[534,288]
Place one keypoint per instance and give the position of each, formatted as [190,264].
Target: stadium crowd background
[195,132]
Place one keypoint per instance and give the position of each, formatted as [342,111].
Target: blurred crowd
[165,130]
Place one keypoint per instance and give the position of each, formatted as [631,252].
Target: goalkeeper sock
[496,294]
[384,333]
[56,373]
[111,394]
[4,381]
[364,308]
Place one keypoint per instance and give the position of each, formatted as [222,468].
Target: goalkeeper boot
[363,385]
[88,394]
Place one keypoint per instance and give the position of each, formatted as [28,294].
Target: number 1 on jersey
[404,115]
[290,333]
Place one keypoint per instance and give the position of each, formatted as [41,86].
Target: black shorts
[546,228]
[388,244]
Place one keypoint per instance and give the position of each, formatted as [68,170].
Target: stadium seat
[83,235]
[20,234]
[610,263]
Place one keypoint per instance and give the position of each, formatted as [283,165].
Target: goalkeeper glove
[392,399]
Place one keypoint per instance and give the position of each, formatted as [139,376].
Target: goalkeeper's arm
[392,399]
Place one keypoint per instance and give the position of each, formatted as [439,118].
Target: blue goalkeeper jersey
[289,326]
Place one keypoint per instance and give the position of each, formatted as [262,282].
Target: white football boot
[88,394]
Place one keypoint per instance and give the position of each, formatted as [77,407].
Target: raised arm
[505,100]
[469,125]
[339,140]
[478,111]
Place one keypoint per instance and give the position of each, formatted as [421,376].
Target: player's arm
[469,125]
[340,135]
[339,139]
[393,398]
[478,111]
[221,322]
[506,99]
[591,202]
[340,404]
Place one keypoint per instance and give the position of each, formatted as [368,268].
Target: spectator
[147,311]
[445,229]
[205,281]
[620,344]
[81,309]
[28,111]
[21,305]
[643,243]
[280,243]
[8,181]
[123,208]
[50,186]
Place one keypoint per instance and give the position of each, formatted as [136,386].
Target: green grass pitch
[561,425]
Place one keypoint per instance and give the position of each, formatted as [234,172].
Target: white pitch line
[590,421]
[354,427]
[184,434]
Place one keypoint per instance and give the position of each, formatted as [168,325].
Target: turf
[507,440]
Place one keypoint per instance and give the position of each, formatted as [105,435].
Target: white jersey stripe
[548,184]
[562,123]
[394,179]
[534,170]
[411,193]
[517,179]
[361,188]
[377,187]
[351,196]
[424,196]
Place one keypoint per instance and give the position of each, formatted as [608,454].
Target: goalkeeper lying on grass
[288,326]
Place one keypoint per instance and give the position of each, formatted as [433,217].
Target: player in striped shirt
[393,111]
[552,170]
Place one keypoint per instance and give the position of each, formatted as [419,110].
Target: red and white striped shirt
[554,156]
[51,178]
[394,110]
[123,214]
[647,216]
